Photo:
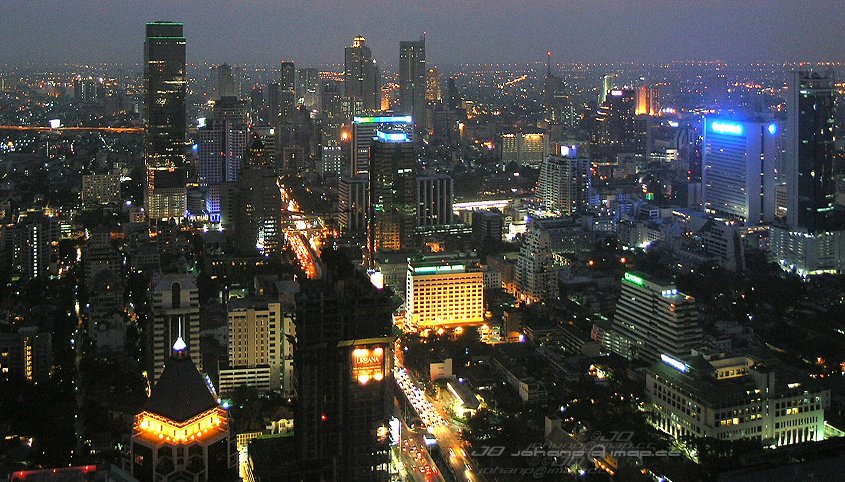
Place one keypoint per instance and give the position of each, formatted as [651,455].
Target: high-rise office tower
[222,144]
[285,121]
[343,368]
[453,96]
[559,108]
[164,95]
[225,85]
[361,74]
[175,314]
[564,184]
[164,115]
[252,207]
[308,88]
[811,184]
[435,195]
[352,204]
[433,94]
[738,171]
[607,84]
[648,101]
[655,319]
[364,130]
[814,240]
[412,81]
[36,245]
[393,193]
[182,433]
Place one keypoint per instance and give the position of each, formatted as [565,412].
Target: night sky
[314,32]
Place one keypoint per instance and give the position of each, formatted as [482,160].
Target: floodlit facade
[738,169]
[654,318]
[735,398]
[443,294]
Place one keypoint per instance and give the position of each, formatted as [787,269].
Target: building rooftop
[181,392]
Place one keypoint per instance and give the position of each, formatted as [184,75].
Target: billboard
[367,364]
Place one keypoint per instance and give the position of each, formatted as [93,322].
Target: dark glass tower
[361,74]
[164,94]
[810,144]
[412,76]
[393,193]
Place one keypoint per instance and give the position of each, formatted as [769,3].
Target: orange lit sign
[368,364]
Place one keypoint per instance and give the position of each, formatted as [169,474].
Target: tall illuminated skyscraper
[361,74]
[738,169]
[164,118]
[393,192]
[412,81]
[809,153]
[164,94]
[364,130]
[222,144]
[564,184]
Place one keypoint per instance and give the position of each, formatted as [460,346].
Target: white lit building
[735,398]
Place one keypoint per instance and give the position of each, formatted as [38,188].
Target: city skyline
[504,32]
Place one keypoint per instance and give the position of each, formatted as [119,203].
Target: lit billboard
[367,364]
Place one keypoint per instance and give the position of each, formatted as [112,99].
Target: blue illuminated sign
[722,127]
[676,364]
[773,129]
[402,119]
[391,136]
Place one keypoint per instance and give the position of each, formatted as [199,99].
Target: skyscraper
[435,194]
[343,368]
[393,192]
[222,144]
[412,81]
[361,74]
[364,130]
[738,172]
[811,184]
[164,117]
[308,88]
[164,95]
[564,184]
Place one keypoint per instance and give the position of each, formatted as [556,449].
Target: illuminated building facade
[26,355]
[361,74]
[738,169]
[257,343]
[655,318]
[443,294]
[175,313]
[524,148]
[412,82]
[564,184]
[364,129]
[648,101]
[393,192]
[536,267]
[182,432]
[164,117]
[36,245]
[223,141]
[100,189]
[433,93]
[735,398]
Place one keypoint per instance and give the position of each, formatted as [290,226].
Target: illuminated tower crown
[182,431]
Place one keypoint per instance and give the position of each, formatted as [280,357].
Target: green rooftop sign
[634,279]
